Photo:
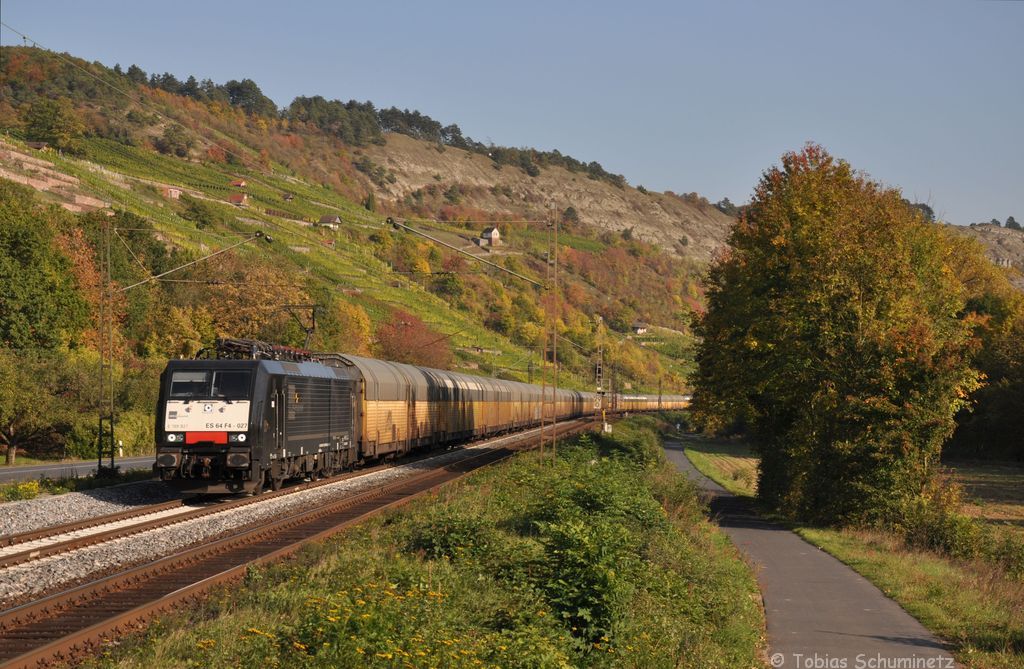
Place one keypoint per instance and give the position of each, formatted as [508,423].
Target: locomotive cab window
[232,385]
[211,384]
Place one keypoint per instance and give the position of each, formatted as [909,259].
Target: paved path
[68,469]
[820,613]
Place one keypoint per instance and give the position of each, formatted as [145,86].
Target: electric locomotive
[232,425]
[249,414]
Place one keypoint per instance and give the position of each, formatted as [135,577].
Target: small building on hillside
[239,183]
[287,197]
[172,193]
[640,328]
[38,146]
[329,221]
[490,237]
[239,199]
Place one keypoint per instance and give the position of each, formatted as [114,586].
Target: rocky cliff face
[686,226]
[1003,246]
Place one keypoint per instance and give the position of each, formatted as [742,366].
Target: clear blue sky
[927,96]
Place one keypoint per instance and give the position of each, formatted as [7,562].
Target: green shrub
[933,522]
[1009,552]
[584,578]
[944,531]
[80,440]
[446,533]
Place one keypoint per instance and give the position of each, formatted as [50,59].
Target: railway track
[69,624]
[47,541]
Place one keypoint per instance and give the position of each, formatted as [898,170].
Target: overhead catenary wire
[218,282]
[248,162]
[155,110]
[396,224]
[132,253]
[189,264]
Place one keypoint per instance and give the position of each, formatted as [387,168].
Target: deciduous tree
[55,122]
[406,338]
[833,332]
[40,304]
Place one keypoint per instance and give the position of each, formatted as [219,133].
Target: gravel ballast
[22,581]
[33,514]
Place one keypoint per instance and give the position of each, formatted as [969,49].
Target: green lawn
[728,463]
[994,492]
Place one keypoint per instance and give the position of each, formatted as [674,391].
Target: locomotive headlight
[172,437]
[241,437]
[236,437]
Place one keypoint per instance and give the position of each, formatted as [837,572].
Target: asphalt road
[68,469]
[819,612]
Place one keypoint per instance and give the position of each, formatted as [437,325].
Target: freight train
[249,414]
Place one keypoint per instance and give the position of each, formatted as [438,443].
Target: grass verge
[10,492]
[601,557]
[973,605]
[730,464]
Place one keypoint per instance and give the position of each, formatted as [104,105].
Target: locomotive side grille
[318,408]
[341,406]
[309,406]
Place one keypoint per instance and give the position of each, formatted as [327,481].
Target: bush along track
[599,557]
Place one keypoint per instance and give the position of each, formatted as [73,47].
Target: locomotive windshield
[210,384]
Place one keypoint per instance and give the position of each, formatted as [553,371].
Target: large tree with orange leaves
[835,334]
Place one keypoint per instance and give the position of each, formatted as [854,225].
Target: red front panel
[207,437]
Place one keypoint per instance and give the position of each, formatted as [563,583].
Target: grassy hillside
[160,167]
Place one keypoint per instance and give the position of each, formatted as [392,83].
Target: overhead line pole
[106,402]
[554,341]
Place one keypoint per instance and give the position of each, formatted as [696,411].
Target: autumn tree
[406,338]
[247,297]
[54,122]
[833,334]
[344,327]
[992,425]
